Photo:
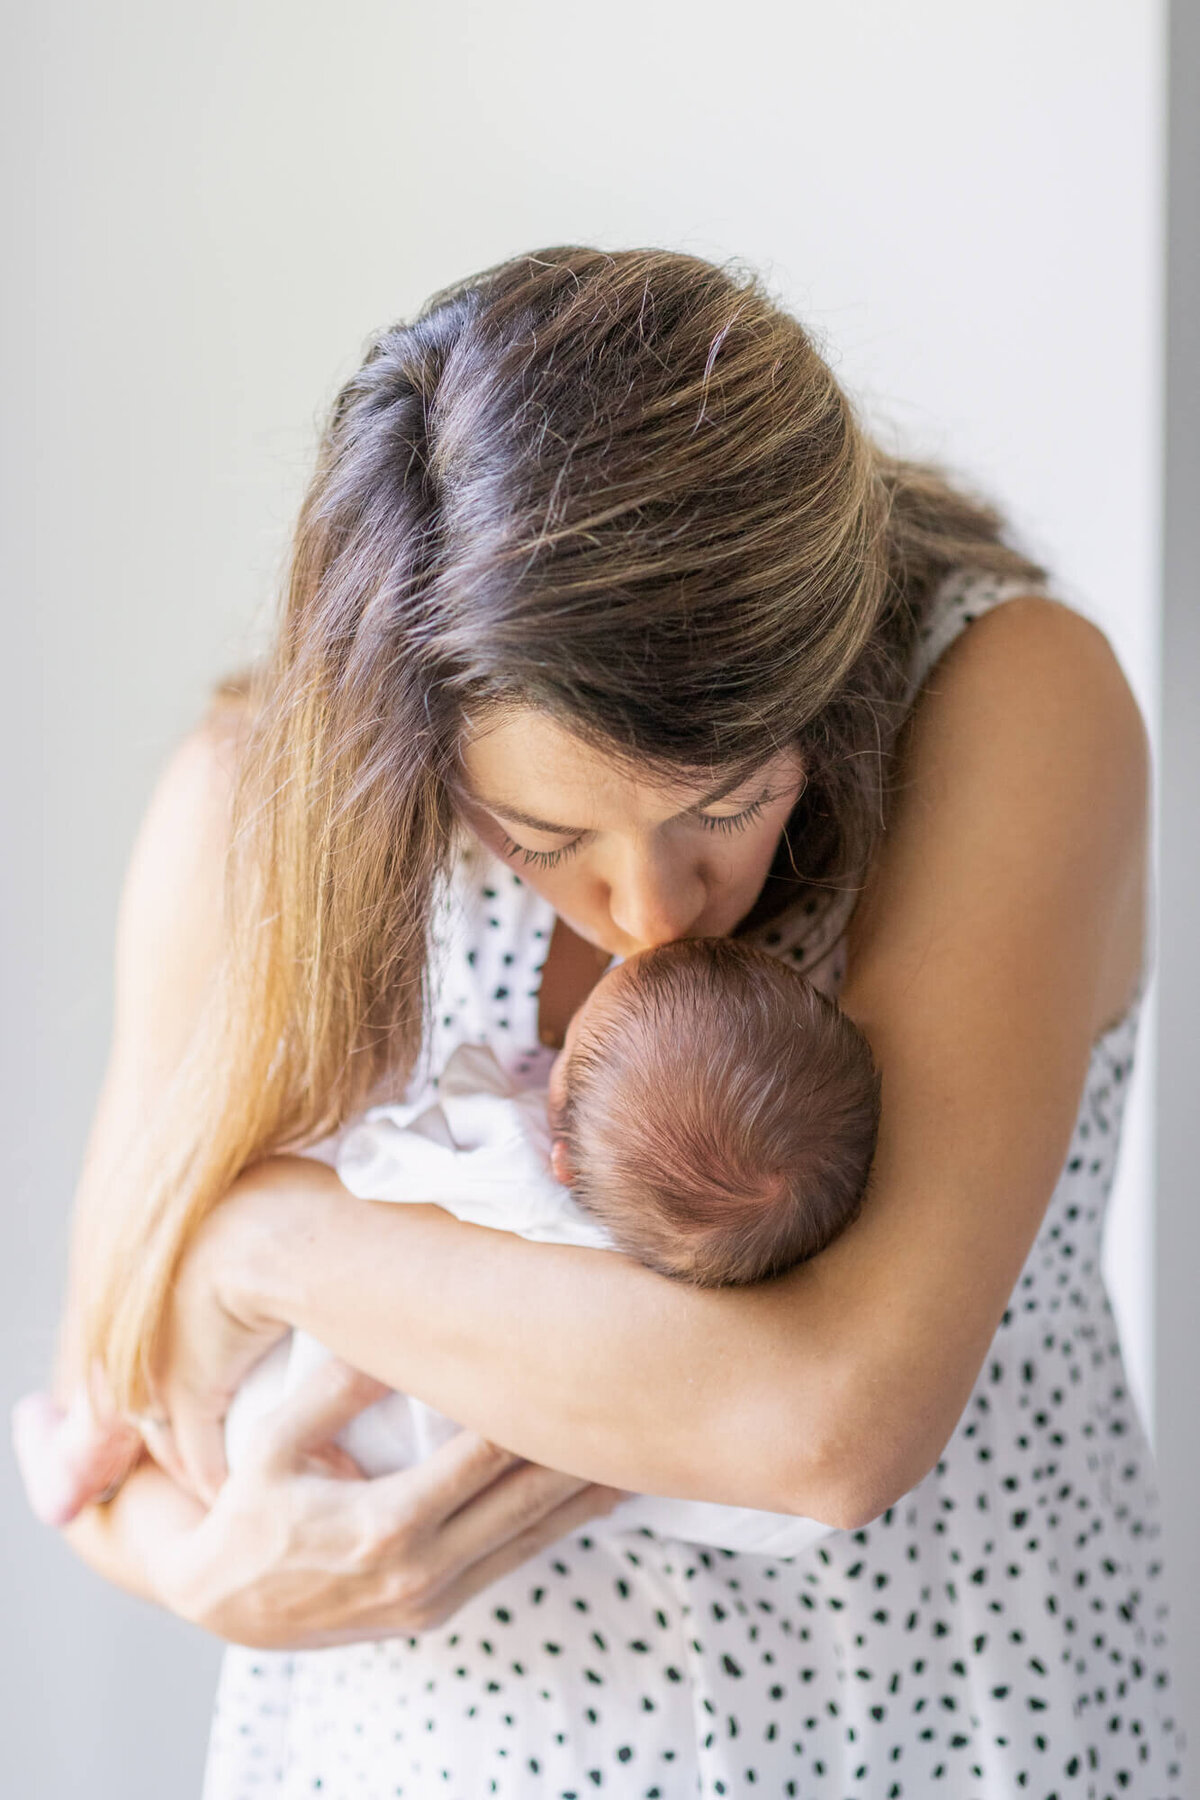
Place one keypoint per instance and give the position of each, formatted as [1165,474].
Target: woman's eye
[542,859]
[735,821]
[548,859]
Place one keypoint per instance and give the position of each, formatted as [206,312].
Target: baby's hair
[721,1114]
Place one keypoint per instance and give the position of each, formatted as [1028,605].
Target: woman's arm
[992,945]
[122,1540]
[291,1557]
[167,944]
[289,1554]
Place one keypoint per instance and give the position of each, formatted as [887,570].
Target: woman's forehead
[525,762]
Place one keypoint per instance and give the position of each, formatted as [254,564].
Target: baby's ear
[560,1162]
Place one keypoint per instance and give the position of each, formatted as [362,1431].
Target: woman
[608,624]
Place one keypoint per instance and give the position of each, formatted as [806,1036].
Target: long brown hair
[624,487]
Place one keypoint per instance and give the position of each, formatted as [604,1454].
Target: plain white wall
[213,205]
[1177,1262]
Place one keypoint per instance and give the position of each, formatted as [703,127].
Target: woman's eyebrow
[515,816]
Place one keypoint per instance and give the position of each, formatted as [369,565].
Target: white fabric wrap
[479,1147]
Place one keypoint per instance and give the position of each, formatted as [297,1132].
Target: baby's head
[715,1111]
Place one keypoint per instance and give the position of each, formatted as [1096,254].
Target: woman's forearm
[123,1540]
[827,1393]
[578,1359]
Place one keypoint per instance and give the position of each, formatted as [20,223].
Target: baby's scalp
[716,1111]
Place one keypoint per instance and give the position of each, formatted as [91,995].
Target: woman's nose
[656,900]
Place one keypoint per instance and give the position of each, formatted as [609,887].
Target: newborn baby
[711,1114]
[714,1112]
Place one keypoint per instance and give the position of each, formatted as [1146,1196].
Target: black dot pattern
[999,1632]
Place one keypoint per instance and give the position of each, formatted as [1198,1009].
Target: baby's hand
[67,1456]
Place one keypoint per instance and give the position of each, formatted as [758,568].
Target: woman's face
[627,863]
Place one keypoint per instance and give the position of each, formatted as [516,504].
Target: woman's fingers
[437,1520]
[305,1421]
[588,1503]
[515,1504]
[446,1482]
[194,1437]
[159,1439]
[331,1459]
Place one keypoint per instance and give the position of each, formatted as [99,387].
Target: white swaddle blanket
[479,1147]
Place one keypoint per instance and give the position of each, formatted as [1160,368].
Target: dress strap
[957,602]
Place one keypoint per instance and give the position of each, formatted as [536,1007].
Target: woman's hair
[621,487]
[720,1114]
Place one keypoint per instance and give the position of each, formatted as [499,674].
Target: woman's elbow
[845,1500]
[855,1506]
[857,1473]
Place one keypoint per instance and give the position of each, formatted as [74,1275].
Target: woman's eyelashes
[549,859]
[735,821]
[545,859]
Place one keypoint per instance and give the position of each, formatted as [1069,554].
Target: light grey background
[209,207]
[1177,1189]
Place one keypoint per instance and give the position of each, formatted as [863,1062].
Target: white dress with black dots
[1000,1631]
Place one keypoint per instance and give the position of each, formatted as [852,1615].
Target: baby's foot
[67,1457]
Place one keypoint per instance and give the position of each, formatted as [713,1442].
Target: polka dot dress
[1000,1631]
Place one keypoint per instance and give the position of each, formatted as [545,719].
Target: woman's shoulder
[1012,688]
[1036,654]
[1001,657]
[1023,789]
[967,597]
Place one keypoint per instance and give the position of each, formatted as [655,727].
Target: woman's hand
[292,1557]
[217,1327]
[296,1549]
